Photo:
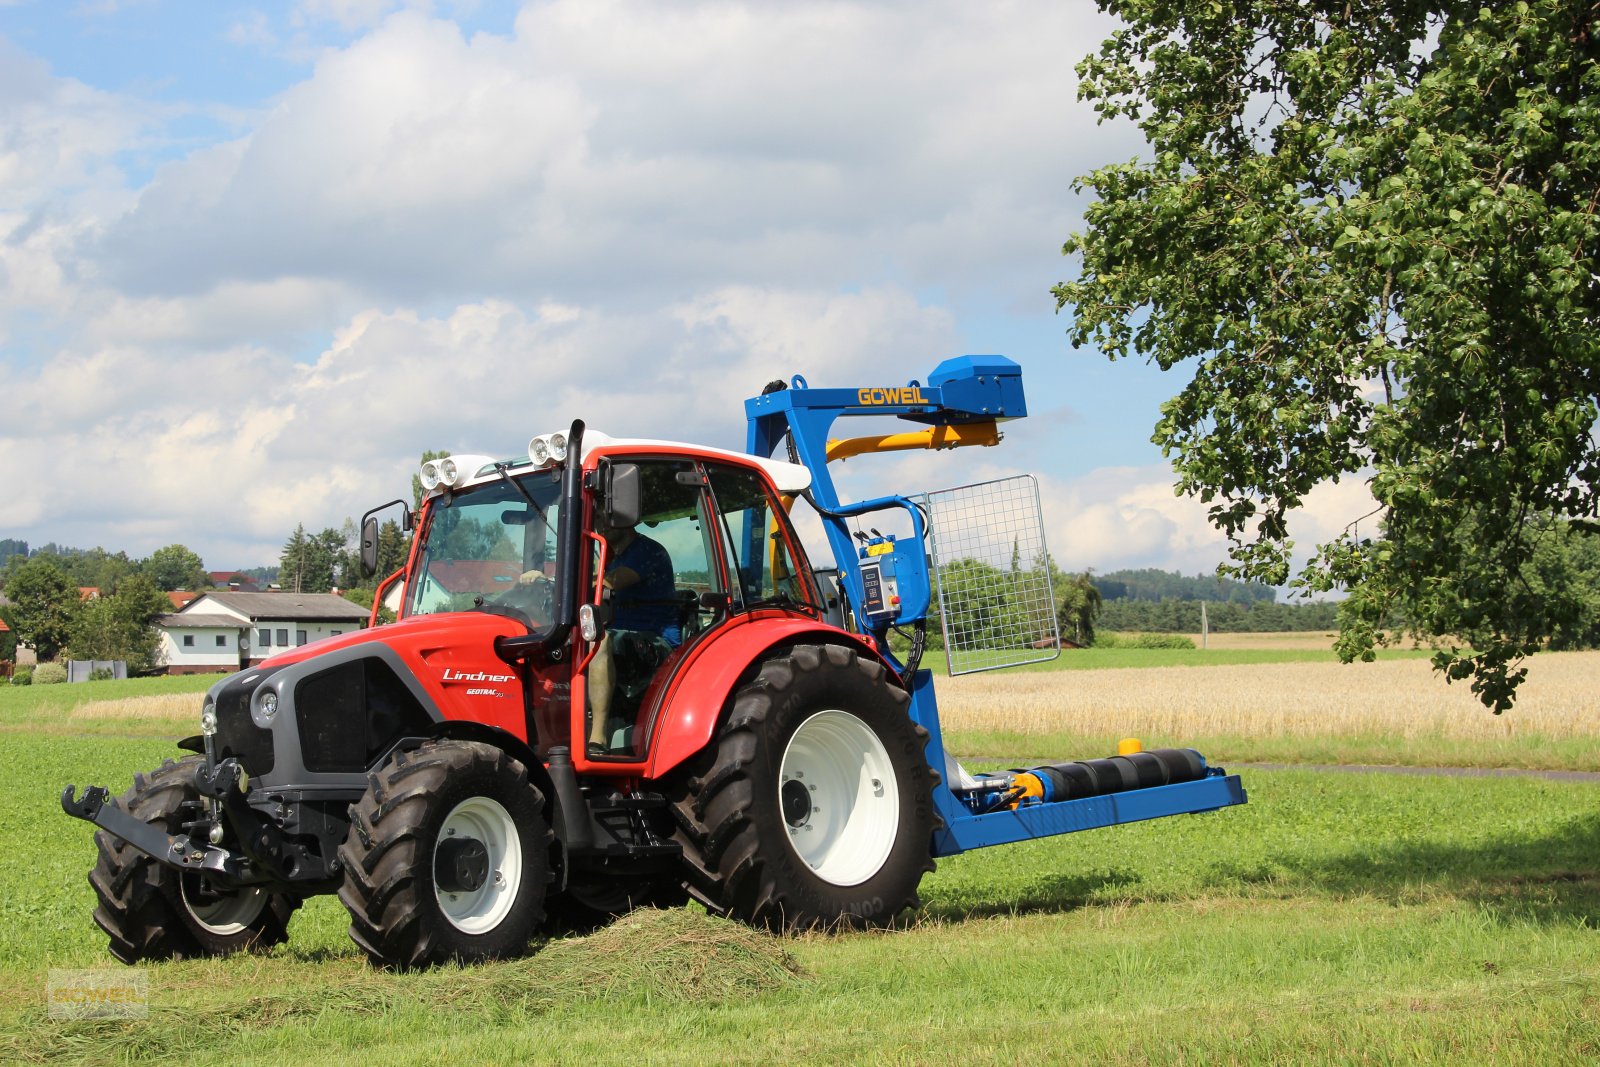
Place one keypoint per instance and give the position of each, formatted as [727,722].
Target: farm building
[219,632]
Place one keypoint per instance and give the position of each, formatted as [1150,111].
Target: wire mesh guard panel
[992,572]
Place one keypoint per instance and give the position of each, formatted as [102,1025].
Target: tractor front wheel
[815,807]
[448,857]
[155,912]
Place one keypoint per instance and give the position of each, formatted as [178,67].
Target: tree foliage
[1151,584]
[1183,616]
[44,604]
[1368,234]
[393,545]
[121,625]
[314,563]
[175,567]
[1080,604]
[83,567]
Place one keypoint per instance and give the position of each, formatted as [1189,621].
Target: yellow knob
[1128,746]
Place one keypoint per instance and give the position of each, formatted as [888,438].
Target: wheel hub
[796,802]
[461,865]
[477,865]
[221,912]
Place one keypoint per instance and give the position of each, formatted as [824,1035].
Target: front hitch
[179,851]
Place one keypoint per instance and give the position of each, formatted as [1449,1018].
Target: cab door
[663,584]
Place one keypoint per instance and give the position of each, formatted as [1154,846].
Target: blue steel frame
[963,390]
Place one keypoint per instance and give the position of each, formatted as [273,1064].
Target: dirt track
[1444,772]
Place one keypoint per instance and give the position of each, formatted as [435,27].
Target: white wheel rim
[484,820]
[225,914]
[837,764]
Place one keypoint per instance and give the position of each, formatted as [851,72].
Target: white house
[219,632]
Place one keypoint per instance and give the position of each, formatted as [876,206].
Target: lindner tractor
[615,679]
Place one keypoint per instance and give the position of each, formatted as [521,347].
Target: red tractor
[615,680]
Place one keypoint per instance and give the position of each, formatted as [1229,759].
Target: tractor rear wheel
[155,912]
[815,805]
[448,857]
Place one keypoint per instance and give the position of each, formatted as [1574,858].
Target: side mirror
[369,534]
[620,503]
[369,546]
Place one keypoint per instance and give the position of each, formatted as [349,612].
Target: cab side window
[760,542]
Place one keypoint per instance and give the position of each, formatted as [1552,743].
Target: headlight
[447,471]
[208,719]
[539,451]
[269,704]
[558,446]
[430,475]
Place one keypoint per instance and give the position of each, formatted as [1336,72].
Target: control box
[894,582]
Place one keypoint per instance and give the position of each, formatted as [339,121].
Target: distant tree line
[1156,585]
[1183,616]
[172,567]
[48,611]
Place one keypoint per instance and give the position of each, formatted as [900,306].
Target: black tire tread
[726,864]
[137,900]
[380,855]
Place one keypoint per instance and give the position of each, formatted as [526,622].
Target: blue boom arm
[886,584]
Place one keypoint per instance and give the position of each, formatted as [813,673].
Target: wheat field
[179,709]
[1391,700]
[1397,698]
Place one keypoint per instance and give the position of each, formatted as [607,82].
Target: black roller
[1056,784]
[1082,780]
[1183,764]
[1151,770]
[1115,775]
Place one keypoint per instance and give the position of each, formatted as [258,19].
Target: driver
[644,622]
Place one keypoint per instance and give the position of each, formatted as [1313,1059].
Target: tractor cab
[664,546]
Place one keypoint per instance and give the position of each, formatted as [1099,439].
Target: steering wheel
[534,595]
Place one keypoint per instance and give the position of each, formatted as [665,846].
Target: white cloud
[635,213]
[635,147]
[58,136]
[221,446]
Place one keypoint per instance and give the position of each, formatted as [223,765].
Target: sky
[254,259]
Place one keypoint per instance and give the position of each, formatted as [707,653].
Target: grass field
[1334,919]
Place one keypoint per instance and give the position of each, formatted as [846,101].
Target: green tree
[347,562]
[328,559]
[175,567]
[111,628]
[310,563]
[393,545]
[1080,607]
[294,561]
[45,602]
[1367,234]
[121,625]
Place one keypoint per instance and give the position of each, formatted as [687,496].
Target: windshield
[488,548]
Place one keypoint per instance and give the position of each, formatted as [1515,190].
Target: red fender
[686,719]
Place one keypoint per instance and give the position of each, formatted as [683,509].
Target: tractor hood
[426,636]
